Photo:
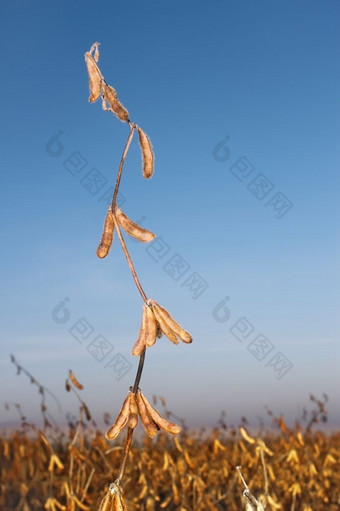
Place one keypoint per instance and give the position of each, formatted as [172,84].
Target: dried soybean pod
[80,504]
[107,236]
[75,381]
[95,76]
[150,327]
[167,331]
[133,417]
[121,420]
[106,503]
[140,343]
[132,228]
[147,153]
[246,435]
[175,327]
[150,427]
[163,423]
[67,386]
[115,106]
[119,503]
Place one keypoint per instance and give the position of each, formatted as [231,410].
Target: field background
[195,472]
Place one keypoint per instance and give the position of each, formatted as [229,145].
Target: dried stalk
[159,321]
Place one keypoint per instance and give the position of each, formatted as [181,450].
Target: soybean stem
[119,175]
[129,260]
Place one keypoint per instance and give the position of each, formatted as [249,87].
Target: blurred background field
[286,466]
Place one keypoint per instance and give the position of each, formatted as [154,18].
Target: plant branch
[129,260]
[119,175]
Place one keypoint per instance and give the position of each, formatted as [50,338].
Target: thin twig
[119,175]
[87,484]
[129,260]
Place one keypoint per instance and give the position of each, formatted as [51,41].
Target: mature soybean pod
[132,228]
[74,380]
[95,78]
[163,423]
[173,325]
[110,95]
[107,236]
[150,427]
[106,503]
[119,503]
[150,327]
[133,417]
[121,420]
[147,153]
[167,331]
[140,343]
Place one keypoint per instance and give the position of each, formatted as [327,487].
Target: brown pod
[110,98]
[121,420]
[150,327]
[147,153]
[167,331]
[132,228]
[133,417]
[149,425]
[95,76]
[159,331]
[74,380]
[119,503]
[106,503]
[67,386]
[107,236]
[140,343]
[173,325]
[163,423]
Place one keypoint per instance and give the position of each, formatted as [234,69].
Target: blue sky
[241,102]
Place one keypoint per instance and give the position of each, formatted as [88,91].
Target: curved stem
[126,451]
[119,175]
[139,372]
[129,260]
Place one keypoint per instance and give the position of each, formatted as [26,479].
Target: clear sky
[241,102]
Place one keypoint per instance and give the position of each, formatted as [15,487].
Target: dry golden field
[288,469]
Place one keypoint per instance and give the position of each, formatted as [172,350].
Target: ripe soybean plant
[156,321]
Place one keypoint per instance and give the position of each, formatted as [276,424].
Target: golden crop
[193,471]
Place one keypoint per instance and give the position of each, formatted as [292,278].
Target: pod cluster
[113,500]
[136,405]
[130,227]
[110,102]
[157,321]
